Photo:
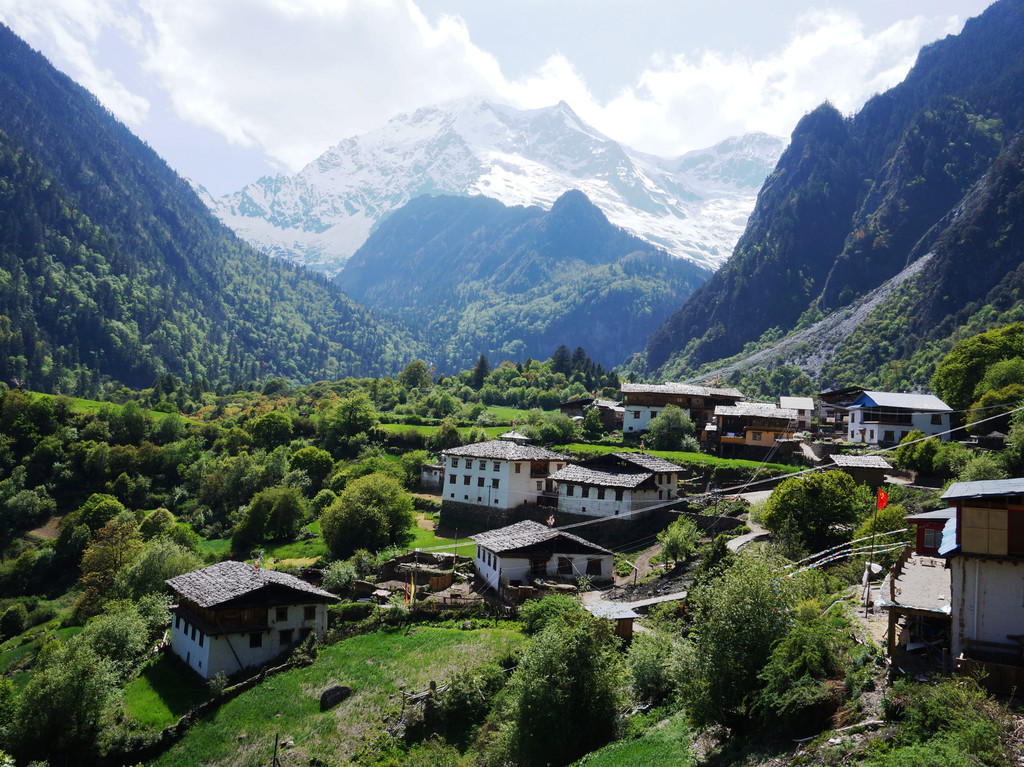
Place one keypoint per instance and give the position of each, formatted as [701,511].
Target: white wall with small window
[498,484]
[210,654]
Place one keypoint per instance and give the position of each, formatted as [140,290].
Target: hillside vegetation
[931,167]
[111,269]
[473,276]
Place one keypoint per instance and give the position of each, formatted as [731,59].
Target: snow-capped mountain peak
[695,206]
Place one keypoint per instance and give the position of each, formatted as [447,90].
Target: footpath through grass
[377,667]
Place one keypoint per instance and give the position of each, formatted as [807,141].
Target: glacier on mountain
[695,206]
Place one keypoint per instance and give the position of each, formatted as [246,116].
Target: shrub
[648,661]
[339,577]
[13,621]
[537,614]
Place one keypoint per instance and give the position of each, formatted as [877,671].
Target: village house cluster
[232,616]
[519,491]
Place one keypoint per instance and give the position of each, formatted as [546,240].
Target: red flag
[883,498]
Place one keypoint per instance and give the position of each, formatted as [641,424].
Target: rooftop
[984,488]
[611,610]
[757,409]
[938,514]
[861,462]
[680,388]
[925,403]
[585,475]
[506,450]
[225,581]
[649,462]
[797,403]
[923,584]
[527,533]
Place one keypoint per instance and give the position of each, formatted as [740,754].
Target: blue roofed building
[885,418]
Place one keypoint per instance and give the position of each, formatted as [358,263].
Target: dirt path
[642,562]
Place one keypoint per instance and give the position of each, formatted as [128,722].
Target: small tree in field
[566,692]
[678,540]
[670,430]
[813,512]
[371,512]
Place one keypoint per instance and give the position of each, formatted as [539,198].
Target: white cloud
[74,28]
[295,77]
[693,101]
[289,78]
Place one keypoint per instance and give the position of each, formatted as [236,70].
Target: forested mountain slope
[112,268]
[855,200]
[477,277]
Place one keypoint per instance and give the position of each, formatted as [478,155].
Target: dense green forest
[474,276]
[114,271]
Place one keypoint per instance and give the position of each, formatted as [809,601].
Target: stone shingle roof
[757,410]
[679,388]
[524,534]
[649,462]
[505,450]
[861,462]
[225,581]
[607,478]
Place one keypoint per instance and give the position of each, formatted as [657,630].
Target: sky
[229,90]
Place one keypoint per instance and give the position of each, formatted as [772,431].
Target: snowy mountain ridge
[695,206]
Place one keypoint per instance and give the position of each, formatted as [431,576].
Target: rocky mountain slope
[927,167]
[473,276]
[694,206]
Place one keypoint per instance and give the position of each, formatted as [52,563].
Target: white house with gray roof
[885,418]
[616,484]
[232,616]
[518,554]
[500,474]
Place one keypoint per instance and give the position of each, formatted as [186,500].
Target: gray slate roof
[527,533]
[650,462]
[611,610]
[680,388]
[757,410]
[921,403]
[505,450]
[947,513]
[607,478]
[225,581]
[861,462]
[984,488]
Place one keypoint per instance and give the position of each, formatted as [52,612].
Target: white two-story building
[500,474]
[231,616]
[642,402]
[885,418]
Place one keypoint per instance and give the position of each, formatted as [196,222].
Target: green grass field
[163,693]
[377,667]
[666,745]
[429,431]
[691,459]
[429,539]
